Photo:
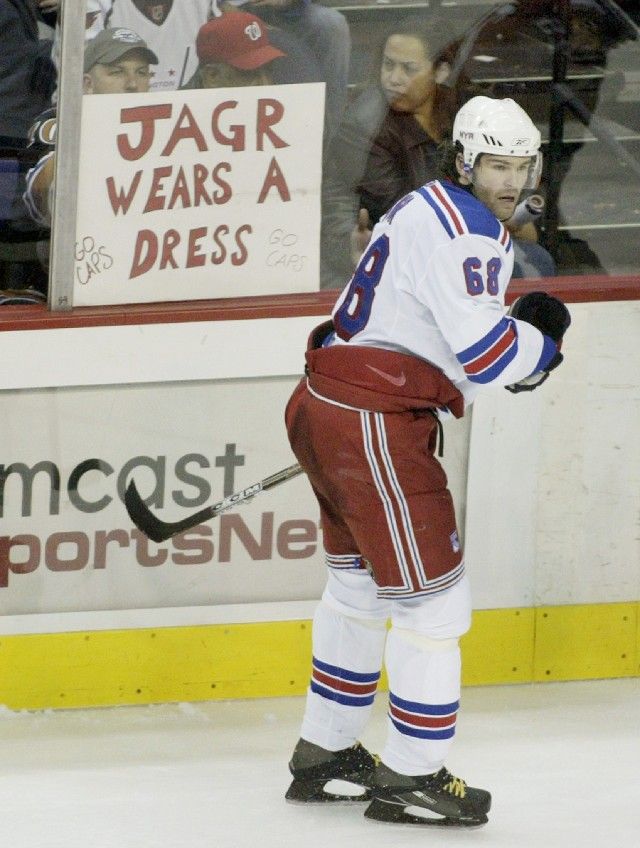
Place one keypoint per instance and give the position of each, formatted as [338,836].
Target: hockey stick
[159,531]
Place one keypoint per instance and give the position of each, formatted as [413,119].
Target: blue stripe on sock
[423,733]
[344,674]
[424,709]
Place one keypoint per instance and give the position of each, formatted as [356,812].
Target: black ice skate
[330,776]
[433,799]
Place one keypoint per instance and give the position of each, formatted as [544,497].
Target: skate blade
[330,792]
[384,813]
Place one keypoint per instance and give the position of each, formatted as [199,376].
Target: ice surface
[562,761]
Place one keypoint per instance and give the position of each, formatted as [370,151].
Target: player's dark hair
[447,153]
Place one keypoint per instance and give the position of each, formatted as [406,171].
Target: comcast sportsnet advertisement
[66,540]
[199,194]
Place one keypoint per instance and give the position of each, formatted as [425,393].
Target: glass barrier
[27,82]
[574,66]
[249,148]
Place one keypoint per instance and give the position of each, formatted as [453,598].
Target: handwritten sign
[199,194]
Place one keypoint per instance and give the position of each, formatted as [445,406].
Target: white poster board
[199,194]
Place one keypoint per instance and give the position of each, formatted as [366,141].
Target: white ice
[562,761]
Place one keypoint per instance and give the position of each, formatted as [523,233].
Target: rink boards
[546,487]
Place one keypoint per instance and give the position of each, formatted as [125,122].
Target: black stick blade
[159,531]
[143,518]
[152,526]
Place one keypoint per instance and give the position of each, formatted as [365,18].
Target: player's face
[128,75]
[221,75]
[498,182]
[406,73]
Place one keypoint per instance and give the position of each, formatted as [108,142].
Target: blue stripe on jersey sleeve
[494,371]
[549,350]
[485,342]
[441,217]
[485,360]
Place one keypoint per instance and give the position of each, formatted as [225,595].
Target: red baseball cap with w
[237,38]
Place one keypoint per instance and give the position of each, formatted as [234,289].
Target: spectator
[27,75]
[116,61]
[27,80]
[168,26]
[234,50]
[325,34]
[410,54]
[420,107]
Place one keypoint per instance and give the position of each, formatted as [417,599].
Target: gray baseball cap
[112,44]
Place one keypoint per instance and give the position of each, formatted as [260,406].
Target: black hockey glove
[552,318]
[545,312]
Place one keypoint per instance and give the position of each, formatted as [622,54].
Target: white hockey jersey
[432,283]
[173,40]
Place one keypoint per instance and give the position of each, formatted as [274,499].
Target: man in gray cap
[117,61]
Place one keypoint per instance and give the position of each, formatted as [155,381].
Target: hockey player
[418,331]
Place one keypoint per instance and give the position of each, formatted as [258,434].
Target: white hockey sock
[347,658]
[424,694]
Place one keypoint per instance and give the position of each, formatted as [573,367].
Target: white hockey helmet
[500,127]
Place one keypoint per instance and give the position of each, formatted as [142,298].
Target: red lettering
[200,174]
[147,116]
[143,555]
[225,194]
[237,138]
[292,534]
[121,198]
[194,257]
[180,190]
[170,242]
[52,557]
[233,523]
[103,537]
[156,201]
[270,112]
[202,548]
[274,179]
[32,543]
[189,130]
[240,257]
[143,262]
[218,258]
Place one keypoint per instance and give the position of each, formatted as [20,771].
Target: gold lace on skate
[456,786]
